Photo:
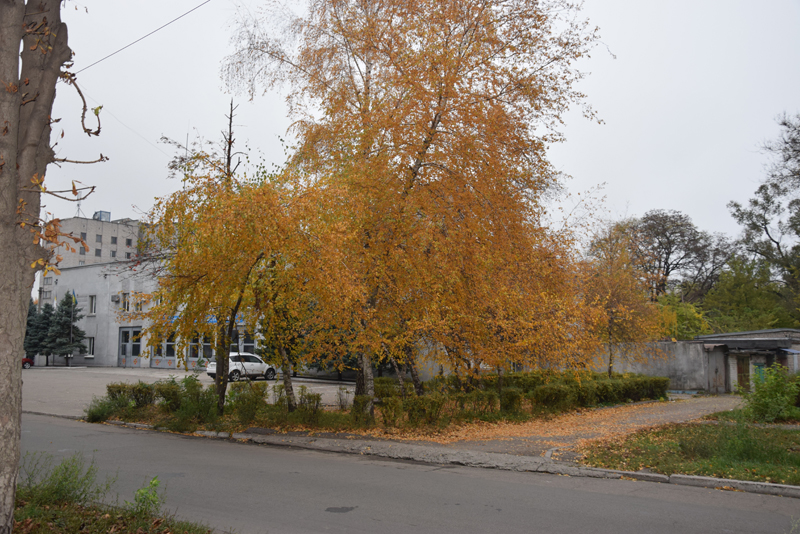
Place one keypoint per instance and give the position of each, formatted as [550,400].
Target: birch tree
[430,120]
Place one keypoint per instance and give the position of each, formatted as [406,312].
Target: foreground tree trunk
[26,102]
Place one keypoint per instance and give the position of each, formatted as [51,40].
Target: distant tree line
[705,282]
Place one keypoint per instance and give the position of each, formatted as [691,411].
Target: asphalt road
[255,489]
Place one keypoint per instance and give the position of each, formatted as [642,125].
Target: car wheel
[270,374]
[26,365]
[235,375]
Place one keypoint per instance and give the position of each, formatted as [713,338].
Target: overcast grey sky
[693,92]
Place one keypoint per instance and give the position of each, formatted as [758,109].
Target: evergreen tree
[64,337]
[30,325]
[40,330]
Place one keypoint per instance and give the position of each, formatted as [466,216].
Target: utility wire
[141,38]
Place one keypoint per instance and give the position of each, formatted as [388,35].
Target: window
[114,240]
[137,306]
[83,236]
[113,253]
[127,255]
[98,252]
[98,238]
[128,242]
[81,263]
[126,301]
[48,281]
[46,295]
[92,305]
[83,251]
[90,346]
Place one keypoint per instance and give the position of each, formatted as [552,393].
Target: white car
[243,365]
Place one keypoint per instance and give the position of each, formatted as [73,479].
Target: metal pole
[71,319]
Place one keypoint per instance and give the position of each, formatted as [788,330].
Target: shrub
[102,408]
[392,411]
[554,397]
[358,412]
[71,481]
[246,399]
[170,394]
[142,394]
[118,390]
[309,406]
[426,409]
[386,387]
[773,395]
[511,400]
[146,501]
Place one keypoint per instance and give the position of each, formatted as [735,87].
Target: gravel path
[560,435]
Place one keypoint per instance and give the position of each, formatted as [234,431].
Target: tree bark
[400,378]
[412,365]
[610,359]
[286,371]
[369,384]
[25,114]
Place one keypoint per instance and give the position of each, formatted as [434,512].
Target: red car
[26,363]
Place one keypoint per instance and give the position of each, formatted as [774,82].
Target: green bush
[102,408]
[118,390]
[170,393]
[554,397]
[386,387]
[142,394]
[245,399]
[358,412]
[71,481]
[392,411]
[426,409]
[511,400]
[773,397]
[309,406]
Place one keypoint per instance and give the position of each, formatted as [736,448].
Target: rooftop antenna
[80,213]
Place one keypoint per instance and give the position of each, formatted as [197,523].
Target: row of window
[99,253]
[98,238]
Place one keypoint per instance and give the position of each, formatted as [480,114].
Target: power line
[141,38]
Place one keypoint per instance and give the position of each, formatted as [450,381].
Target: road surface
[256,489]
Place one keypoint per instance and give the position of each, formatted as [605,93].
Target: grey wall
[684,362]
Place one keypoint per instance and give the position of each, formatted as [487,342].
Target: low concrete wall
[684,362]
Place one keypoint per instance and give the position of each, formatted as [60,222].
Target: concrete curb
[782,490]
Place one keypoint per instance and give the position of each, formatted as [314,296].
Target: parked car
[26,363]
[243,365]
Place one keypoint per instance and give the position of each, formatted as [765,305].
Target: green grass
[68,498]
[726,450]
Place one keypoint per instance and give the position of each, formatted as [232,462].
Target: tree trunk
[221,379]
[24,155]
[399,374]
[360,388]
[412,365]
[286,371]
[610,359]
[369,385]
[500,381]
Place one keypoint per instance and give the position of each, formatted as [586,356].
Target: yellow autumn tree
[429,121]
[233,251]
[628,318]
